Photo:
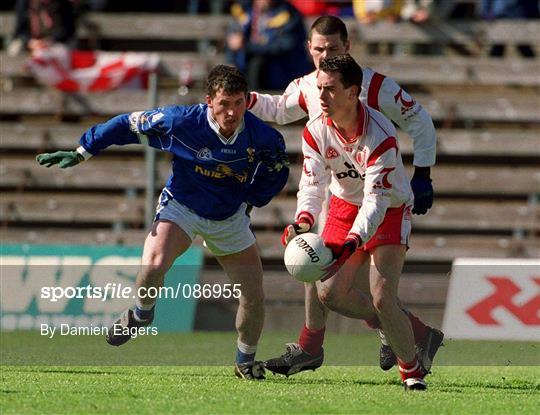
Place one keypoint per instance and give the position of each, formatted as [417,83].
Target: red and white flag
[91,71]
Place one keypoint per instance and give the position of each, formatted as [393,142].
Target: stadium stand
[487,179]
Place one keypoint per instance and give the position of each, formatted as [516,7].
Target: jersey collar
[215,127]
[361,128]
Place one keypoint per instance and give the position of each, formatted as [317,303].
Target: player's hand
[422,189]
[341,255]
[294,229]
[64,159]
[273,161]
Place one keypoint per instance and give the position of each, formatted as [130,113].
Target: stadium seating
[487,179]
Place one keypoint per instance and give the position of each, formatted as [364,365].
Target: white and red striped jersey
[301,98]
[366,171]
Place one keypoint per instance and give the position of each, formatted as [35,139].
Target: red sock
[411,369]
[420,330]
[373,323]
[311,341]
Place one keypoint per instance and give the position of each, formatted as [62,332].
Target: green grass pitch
[192,373]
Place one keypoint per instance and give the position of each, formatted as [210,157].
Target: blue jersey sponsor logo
[222,171]
[204,154]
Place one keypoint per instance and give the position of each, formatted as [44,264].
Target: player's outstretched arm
[64,159]
[395,103]
[406,112]
[281,109]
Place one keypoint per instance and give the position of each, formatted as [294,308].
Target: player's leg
[387,358]
[165,242]
[233,244]
[395,229]
[315,311]
[384,280]
[308,353]
[340,293]
[312,335]
[245,269]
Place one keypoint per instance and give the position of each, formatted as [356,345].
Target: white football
[305,256]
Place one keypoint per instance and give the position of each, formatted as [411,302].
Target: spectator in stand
[323,8]
[40,23]
[209,6]
[267,43]
[510,9]
[422,11]
[371,11]
[427,11]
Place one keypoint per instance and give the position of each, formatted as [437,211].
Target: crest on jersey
[204,154]
[361,157]
[251,154]
[331,153]
[157,117]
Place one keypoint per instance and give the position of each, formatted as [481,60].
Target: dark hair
[351,72]
[228,78]
[329,25]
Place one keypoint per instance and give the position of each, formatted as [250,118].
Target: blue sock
[242,357]
[144,314]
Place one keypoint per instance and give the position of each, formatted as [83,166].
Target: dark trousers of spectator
[525,50]
[255,72]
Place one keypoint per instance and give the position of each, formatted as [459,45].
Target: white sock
[142,307]
[245,348]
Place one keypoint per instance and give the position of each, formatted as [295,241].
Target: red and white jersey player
[366,171]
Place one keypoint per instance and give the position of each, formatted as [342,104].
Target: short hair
[329,25]
[228,78]
[351,72]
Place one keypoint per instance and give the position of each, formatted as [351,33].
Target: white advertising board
[493,299]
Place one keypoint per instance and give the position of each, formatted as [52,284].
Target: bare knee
[329,296]
[253,300]
[384,301]
[155,267]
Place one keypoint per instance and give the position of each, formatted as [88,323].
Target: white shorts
[222,237]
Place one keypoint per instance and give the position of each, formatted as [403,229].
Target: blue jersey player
[224,159]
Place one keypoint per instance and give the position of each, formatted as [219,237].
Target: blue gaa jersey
[211,175]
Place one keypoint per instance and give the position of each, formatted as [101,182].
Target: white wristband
[83,152]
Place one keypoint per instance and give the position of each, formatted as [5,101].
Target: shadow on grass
[332,382]
[524,386]
[439,383]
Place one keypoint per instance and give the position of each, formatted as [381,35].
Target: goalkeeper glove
[422,189]
[64,159]
[302,225]
[341,255]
